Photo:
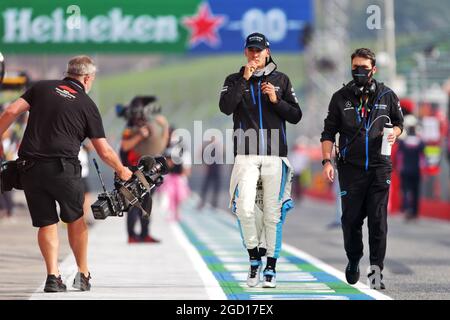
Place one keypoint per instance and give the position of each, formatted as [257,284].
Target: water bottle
[386,146]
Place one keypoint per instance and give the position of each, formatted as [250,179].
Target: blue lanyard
[261,126]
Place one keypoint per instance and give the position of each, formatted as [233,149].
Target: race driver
[261,100]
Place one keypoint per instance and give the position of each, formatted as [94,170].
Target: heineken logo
[22,26]
[196,26]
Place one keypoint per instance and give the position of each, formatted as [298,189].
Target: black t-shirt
[61,116]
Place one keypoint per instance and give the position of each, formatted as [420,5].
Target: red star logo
[203,26]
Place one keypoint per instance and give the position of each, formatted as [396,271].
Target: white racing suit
[260,191]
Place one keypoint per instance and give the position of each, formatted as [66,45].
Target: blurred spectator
[407,106]
[213,178]
[448,154]
[410,154]
[175,185]
[300,161]
[9,147]
[6,202]
[448,144]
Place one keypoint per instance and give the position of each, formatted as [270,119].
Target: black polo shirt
[61,116]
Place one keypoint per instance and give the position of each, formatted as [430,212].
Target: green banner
[94,26]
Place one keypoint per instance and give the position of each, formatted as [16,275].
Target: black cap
[257,40]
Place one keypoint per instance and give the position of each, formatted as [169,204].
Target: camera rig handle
[131,198]
[133,201]
[147,175]
[99,174]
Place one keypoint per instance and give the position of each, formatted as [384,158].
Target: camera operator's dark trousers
[364,194]
[46,182]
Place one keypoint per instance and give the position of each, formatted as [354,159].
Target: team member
[358,112]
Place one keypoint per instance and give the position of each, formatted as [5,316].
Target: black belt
[27,163]
[56,159]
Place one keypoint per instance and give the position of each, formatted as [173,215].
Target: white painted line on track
[321,265]
[212,286]
[333,271]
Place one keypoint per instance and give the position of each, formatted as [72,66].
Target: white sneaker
[270,280]
[253,275]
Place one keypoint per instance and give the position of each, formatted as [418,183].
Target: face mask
[361,76]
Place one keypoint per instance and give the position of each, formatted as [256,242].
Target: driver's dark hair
[365,53]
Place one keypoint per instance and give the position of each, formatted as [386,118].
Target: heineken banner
[119,26]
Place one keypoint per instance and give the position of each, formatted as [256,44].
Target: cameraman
[61,116]
[138,130]
[359,111]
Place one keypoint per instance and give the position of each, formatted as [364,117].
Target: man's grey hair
[80,66]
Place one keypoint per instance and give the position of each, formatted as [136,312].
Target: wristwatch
[324,161]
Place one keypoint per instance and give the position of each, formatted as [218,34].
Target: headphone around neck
[367,90]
